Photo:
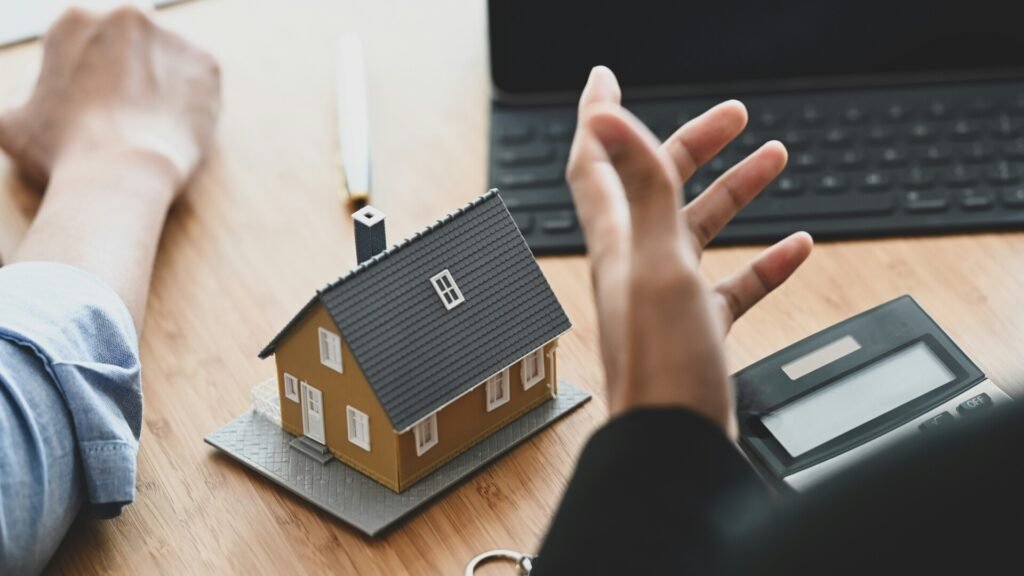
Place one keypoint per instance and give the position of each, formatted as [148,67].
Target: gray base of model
[347,494]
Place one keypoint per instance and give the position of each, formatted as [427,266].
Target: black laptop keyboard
[862,163]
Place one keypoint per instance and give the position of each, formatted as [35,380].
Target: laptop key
[807,162]
[795,139]
[557,222]
[937,153]
[837,137]
[922,132]
[788,186]
[1013,197]
[976,199]
[1007,127]
[874,181]
[537,177]
[964,130]
[514,133]
[918,202]
[1003,173]
[977,152]
[854,115]
[811,115]
[842,206]
[530,154]
[879,135]
[529,198]
[558,131]
[938,109]
[961,176]
[891,157]
[523,220]
[850,159]
[897,113]
[919,178]
[981,107]
[831,184]
[1014,149]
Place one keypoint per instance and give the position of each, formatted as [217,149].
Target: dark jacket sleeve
[653,493]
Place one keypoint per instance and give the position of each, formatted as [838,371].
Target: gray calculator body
[854,389]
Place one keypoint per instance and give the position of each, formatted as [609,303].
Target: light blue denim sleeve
[70,407]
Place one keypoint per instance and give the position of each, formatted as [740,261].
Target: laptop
[902,117]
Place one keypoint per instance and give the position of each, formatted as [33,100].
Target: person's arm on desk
[121,115]
[648,490]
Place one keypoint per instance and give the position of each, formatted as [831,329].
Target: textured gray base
[344,492]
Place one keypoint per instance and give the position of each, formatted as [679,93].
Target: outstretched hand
[662,323]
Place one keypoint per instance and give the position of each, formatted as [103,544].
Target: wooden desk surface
[227,279]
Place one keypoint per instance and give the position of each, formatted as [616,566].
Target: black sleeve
[652,493]
[947,501]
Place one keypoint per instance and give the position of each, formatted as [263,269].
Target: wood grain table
[263,227]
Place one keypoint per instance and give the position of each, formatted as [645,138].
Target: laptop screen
[545,47]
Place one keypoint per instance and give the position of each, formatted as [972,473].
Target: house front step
[313,449]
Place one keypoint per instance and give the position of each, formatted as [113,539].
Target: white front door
[312,413]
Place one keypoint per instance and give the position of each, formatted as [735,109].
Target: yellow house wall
[299,355]
[466,421]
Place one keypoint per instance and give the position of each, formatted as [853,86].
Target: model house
[422,350]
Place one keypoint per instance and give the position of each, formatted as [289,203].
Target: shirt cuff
[85,336]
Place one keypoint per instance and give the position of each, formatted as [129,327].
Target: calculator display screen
[540,46]
[834,409]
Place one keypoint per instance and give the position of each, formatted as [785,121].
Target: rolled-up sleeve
[70,401]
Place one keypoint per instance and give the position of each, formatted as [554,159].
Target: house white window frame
[498,382]
[425,434]
[447,290]
[329,344]
[291,387]
[531,380]
[358,425]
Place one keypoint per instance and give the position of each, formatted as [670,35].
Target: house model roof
[416,353]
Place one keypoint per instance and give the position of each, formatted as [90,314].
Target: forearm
[104,214]
[653,492]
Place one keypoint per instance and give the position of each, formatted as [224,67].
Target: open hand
[662,324]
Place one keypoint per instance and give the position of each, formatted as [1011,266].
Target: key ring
[524,562]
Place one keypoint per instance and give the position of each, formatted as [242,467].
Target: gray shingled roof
[417,355]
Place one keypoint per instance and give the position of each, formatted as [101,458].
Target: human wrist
[117,173]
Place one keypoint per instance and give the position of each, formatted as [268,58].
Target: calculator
[854,389]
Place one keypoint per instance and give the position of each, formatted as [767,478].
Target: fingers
[765,273]
[647,175]
[711,211]
[596,190]
[700,139]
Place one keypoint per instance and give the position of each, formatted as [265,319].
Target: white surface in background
[27,19]
[830,412]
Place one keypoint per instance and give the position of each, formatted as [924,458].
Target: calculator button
[937,421]
[975,404]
